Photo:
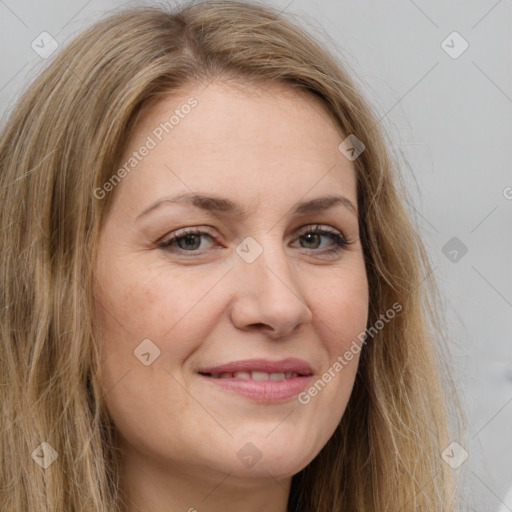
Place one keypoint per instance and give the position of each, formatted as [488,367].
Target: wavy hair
[63,139]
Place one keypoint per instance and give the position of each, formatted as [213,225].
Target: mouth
[260,380]
[254,375]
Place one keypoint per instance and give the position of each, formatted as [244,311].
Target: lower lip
[263,390]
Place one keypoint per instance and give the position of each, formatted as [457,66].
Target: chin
[268,469]
[278,458]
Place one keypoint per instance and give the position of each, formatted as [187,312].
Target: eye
[188,239]
[313,236]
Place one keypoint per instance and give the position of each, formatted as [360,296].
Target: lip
[261,390]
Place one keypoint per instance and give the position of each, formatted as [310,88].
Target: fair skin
[202,304]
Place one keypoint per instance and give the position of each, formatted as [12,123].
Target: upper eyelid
[320,227]
[206,230]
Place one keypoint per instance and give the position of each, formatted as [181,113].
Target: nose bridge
[265,263]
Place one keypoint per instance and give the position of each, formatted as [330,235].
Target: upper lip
[290,364]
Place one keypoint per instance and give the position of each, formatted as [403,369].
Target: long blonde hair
[64,139]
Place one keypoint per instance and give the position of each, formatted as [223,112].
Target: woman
[213,298]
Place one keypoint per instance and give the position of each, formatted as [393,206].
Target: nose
[267,295]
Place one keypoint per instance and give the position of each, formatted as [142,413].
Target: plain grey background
[449,113]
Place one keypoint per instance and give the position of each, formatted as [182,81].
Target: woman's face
[253,289]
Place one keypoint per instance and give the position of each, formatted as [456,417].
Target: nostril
[258,325]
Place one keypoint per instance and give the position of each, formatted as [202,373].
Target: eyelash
[340,242]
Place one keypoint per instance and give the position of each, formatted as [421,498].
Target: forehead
[242,137]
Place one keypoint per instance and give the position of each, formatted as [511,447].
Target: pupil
[189,240]
[310,237]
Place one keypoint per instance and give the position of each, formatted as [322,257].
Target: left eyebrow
[324,203]
[219,204]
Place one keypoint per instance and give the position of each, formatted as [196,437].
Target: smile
[260,380]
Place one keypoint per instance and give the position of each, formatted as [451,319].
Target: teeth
[276,376]
[255,375]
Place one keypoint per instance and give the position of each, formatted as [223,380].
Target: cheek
[148,312]
[143,301]
[340,307]
[174,310]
